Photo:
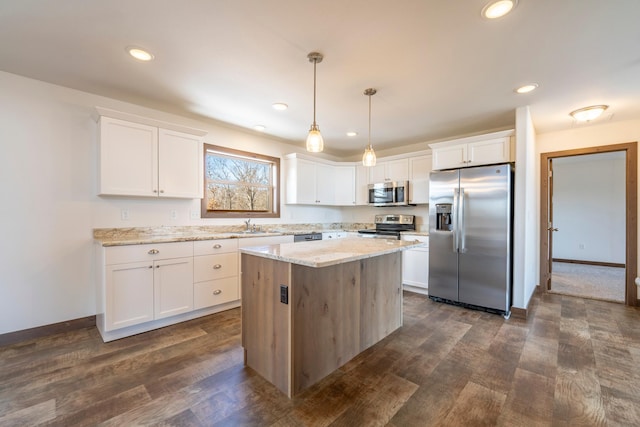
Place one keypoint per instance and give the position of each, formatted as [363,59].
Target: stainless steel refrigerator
[471,237]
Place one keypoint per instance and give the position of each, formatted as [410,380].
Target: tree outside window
[239,184]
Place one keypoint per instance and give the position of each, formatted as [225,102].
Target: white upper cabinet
[180,165]
[362,184]
[139,159]
[419,170]
[345,185]
[390,170]
[310,182]
[474,151]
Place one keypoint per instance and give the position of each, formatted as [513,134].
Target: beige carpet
[590,281]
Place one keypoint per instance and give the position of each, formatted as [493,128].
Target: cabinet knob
[157,266]
[217,246]
[162,191]
[153,252]
[151,266]
[155,191]
[217,292]
[217,266]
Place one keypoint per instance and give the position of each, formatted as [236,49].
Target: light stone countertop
[182,237]
[324,253]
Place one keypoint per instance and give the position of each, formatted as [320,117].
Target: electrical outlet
[581,246]
[124,214]
[173,214]
[284,294]
[194,214]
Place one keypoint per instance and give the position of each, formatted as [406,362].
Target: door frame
[631,212]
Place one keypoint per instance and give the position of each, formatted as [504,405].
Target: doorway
[576,263]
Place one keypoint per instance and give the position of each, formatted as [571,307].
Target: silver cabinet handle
[155,191]
[217,246]
[151,266]
[153,252]
[162,191]
[217,266]
[157,266]
[217,292]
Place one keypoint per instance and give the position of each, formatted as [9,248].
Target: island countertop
[325,253]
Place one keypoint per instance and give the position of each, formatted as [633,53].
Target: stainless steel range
[390,226]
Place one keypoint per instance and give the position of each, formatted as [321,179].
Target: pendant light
[369,156]
[315,144]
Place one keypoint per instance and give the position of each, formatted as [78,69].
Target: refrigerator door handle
[463,247]
[454,219]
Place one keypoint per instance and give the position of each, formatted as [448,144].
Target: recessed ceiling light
[280,106]
[587,114]
[527,88]
[259,128]
[139,54]
[497,9]
[352,133]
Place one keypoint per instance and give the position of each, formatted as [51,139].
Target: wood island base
[332,314]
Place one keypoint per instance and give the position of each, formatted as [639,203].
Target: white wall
[49,204]
[526,243]
[589,207]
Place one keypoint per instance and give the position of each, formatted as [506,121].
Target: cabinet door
[301,182]
[415,267]
[129,294]
[180,165]
[397,170]
[450,157]
[489,152]
[173,287]
[128,158]
[378,173]
[345,185]
[362,182]
[325,184]
[419,170]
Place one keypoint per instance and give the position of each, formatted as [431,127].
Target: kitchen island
[308,308]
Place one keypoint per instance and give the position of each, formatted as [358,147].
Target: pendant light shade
[369,156]
[315,143]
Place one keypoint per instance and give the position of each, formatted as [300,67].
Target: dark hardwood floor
[573,362]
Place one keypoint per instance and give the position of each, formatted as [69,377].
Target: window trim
[275,213]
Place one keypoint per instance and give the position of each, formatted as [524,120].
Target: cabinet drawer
[210,267]
[147,252]
[210,247]
[214,292]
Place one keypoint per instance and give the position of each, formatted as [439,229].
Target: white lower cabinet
[129,294]
[415,265]
[172,287]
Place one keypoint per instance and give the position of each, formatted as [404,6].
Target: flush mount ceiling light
[139,53]
[315,144]
[587,114]
[369,156]
[280,106]
[527,88]
[497,9]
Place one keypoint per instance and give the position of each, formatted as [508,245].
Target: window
[240,184]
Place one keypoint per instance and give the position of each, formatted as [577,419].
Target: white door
[180,165]
[128,158]
[173,287]
[129,294]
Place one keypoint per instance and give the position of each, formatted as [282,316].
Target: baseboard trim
[46,330]
[602,264]
[522,313]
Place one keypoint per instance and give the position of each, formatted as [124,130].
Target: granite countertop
[324,253]
[149,235]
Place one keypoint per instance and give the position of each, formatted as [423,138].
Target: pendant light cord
[315,61]
[369,121]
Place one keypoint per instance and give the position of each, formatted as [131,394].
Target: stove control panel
[395,219]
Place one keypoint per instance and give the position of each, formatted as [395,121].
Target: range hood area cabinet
[309,182]
[487,149]
[147,160]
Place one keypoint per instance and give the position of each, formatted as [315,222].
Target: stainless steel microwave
[391,193]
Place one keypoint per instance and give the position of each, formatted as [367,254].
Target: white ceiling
[441,70]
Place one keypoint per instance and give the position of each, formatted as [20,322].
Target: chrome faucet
[248,224]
